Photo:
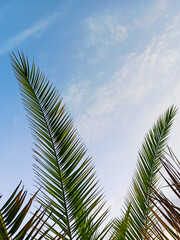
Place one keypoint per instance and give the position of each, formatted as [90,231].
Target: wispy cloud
[159,9]
[16,120]
[3,11]
[148,80]
[104,30]
[123,108]
[38,27]
[77,93]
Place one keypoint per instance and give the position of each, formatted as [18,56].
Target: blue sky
[115,63]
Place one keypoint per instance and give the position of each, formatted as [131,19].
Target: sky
[116,65]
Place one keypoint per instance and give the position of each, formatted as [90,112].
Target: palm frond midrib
[147,168]
[53,141]
[149,190]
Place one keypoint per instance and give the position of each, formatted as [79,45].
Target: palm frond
[69,188]
[146,177]
[13,214]
[120,225]
[169,218]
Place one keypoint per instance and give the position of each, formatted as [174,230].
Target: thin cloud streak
[105,30]
[102,32]
[41,25]
[153,72]
[159,10]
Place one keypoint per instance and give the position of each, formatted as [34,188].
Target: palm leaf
[12,215]
[169,219]
[120,225]
[146,177]
[69,188]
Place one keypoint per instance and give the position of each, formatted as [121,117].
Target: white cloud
[37,28]
[122,109]
[162,5]
[146,81]
[77,92]
[159,9]
[104,30]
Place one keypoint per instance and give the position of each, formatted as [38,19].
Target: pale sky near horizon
[116,64]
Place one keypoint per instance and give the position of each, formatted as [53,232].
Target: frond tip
[146,177]
[69,188]
[169,218]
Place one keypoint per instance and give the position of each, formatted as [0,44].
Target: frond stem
[150,184]
[59,171]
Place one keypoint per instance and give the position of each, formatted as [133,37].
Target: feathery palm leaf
[120,226]
[146,177]
[12,215]
[69,188]
[169,220]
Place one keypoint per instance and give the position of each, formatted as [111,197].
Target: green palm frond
[146,177]
[120,225]
[69,188]
[13,214]
[169,218]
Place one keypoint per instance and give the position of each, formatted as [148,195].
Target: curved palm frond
[120,225]
[69,188]
[169,218]
[12,216]
[146,177]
